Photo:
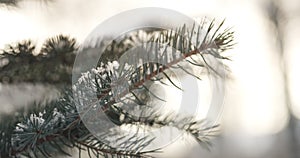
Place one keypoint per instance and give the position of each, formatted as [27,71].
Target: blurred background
[261,111]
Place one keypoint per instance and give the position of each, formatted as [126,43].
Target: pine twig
[58,125]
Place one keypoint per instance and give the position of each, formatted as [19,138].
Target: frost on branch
[43,131]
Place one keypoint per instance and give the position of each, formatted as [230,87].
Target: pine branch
[58,126]
[44,130]
[52,65]
[15,3]
[100,80]
[8,2]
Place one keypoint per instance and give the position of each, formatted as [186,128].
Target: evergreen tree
[50,129]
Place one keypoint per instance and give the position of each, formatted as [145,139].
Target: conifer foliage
[54,128]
